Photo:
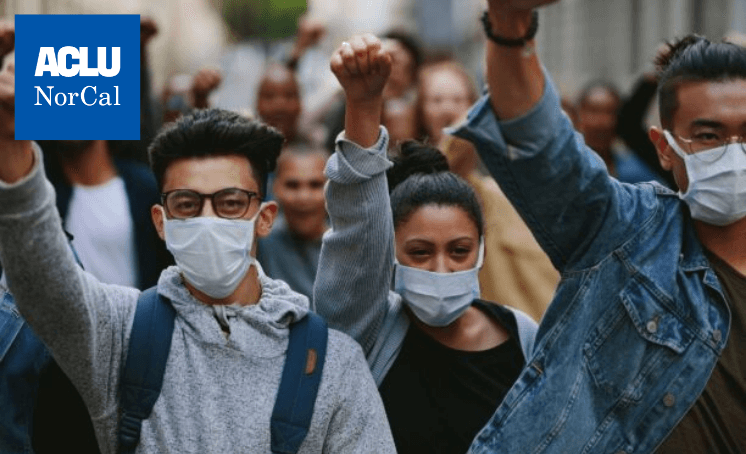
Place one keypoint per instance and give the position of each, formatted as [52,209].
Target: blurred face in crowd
[445,96]
[402,69]
[299,188]
[279,102]
[438,238]
[400,119]
[597,118]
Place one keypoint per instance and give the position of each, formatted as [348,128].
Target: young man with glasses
[642,349]
[230,335]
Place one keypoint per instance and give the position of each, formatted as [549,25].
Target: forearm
[54,295]
[514,74]
[356,262]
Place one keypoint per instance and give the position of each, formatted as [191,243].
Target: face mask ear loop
[684,157]
[480,259]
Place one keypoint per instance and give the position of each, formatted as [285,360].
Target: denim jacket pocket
[634,343]
[10,324]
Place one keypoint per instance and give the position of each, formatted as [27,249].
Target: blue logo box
[77,77]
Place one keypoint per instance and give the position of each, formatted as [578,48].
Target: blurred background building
[579,40]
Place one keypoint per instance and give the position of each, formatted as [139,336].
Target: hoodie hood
[259,329]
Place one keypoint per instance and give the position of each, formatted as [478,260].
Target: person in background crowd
[406,60]
[642,348]
[225,308]
[597,119]
[445,94]
[279,101]
[632,127]
[399,117]
[104,202]
[291,251]
[442,357]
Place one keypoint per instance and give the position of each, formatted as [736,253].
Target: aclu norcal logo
[77,77]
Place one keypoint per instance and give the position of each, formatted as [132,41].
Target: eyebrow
[708,123]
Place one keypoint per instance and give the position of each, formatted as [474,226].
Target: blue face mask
[438,299]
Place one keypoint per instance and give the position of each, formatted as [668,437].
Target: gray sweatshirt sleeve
[359,422]
[81,320]
[357,255]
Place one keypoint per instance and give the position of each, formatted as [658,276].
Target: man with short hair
[291,251]
[642,349]
[230,335]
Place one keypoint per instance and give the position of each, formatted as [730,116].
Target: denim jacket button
[652,326]
[717,335]
[669,400]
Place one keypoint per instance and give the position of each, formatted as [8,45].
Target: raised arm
[560,187]
[67,308]
[354,274]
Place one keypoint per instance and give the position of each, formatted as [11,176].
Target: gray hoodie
[218,390]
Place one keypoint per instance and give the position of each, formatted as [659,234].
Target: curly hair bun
[415,157]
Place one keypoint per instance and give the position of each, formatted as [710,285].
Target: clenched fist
[362,68]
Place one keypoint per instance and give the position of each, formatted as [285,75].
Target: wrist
[510,24]
[362,121]
[18,159]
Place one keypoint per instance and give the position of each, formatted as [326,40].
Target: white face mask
[213,253]
[438,299]
[717,190]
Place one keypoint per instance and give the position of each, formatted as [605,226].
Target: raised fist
[204,83]
[148,29]
[362,68]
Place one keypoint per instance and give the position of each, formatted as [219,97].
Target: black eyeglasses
[229,203]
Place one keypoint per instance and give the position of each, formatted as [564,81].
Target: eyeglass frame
[741,140]
[252,195]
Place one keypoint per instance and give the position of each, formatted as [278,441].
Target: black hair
[694,58]
[410,43]
[217,132]
[420,176]
[598,84]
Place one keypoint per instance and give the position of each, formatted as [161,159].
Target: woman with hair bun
[443,359]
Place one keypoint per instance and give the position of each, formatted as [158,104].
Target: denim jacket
[639,318]
[22,358]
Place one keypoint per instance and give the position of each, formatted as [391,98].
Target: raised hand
[310,32]
[16,157]
[148,30]
[362,68]
[204,83]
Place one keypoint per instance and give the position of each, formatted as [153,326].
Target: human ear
[156,213]
[267,215]
[661,147]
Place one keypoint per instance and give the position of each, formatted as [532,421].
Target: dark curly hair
[216,132]
[694,58]
[420,176]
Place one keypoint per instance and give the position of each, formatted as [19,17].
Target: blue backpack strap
[301,376]
[142,377]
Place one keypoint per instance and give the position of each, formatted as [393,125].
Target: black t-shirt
[717,421]
[437,398]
